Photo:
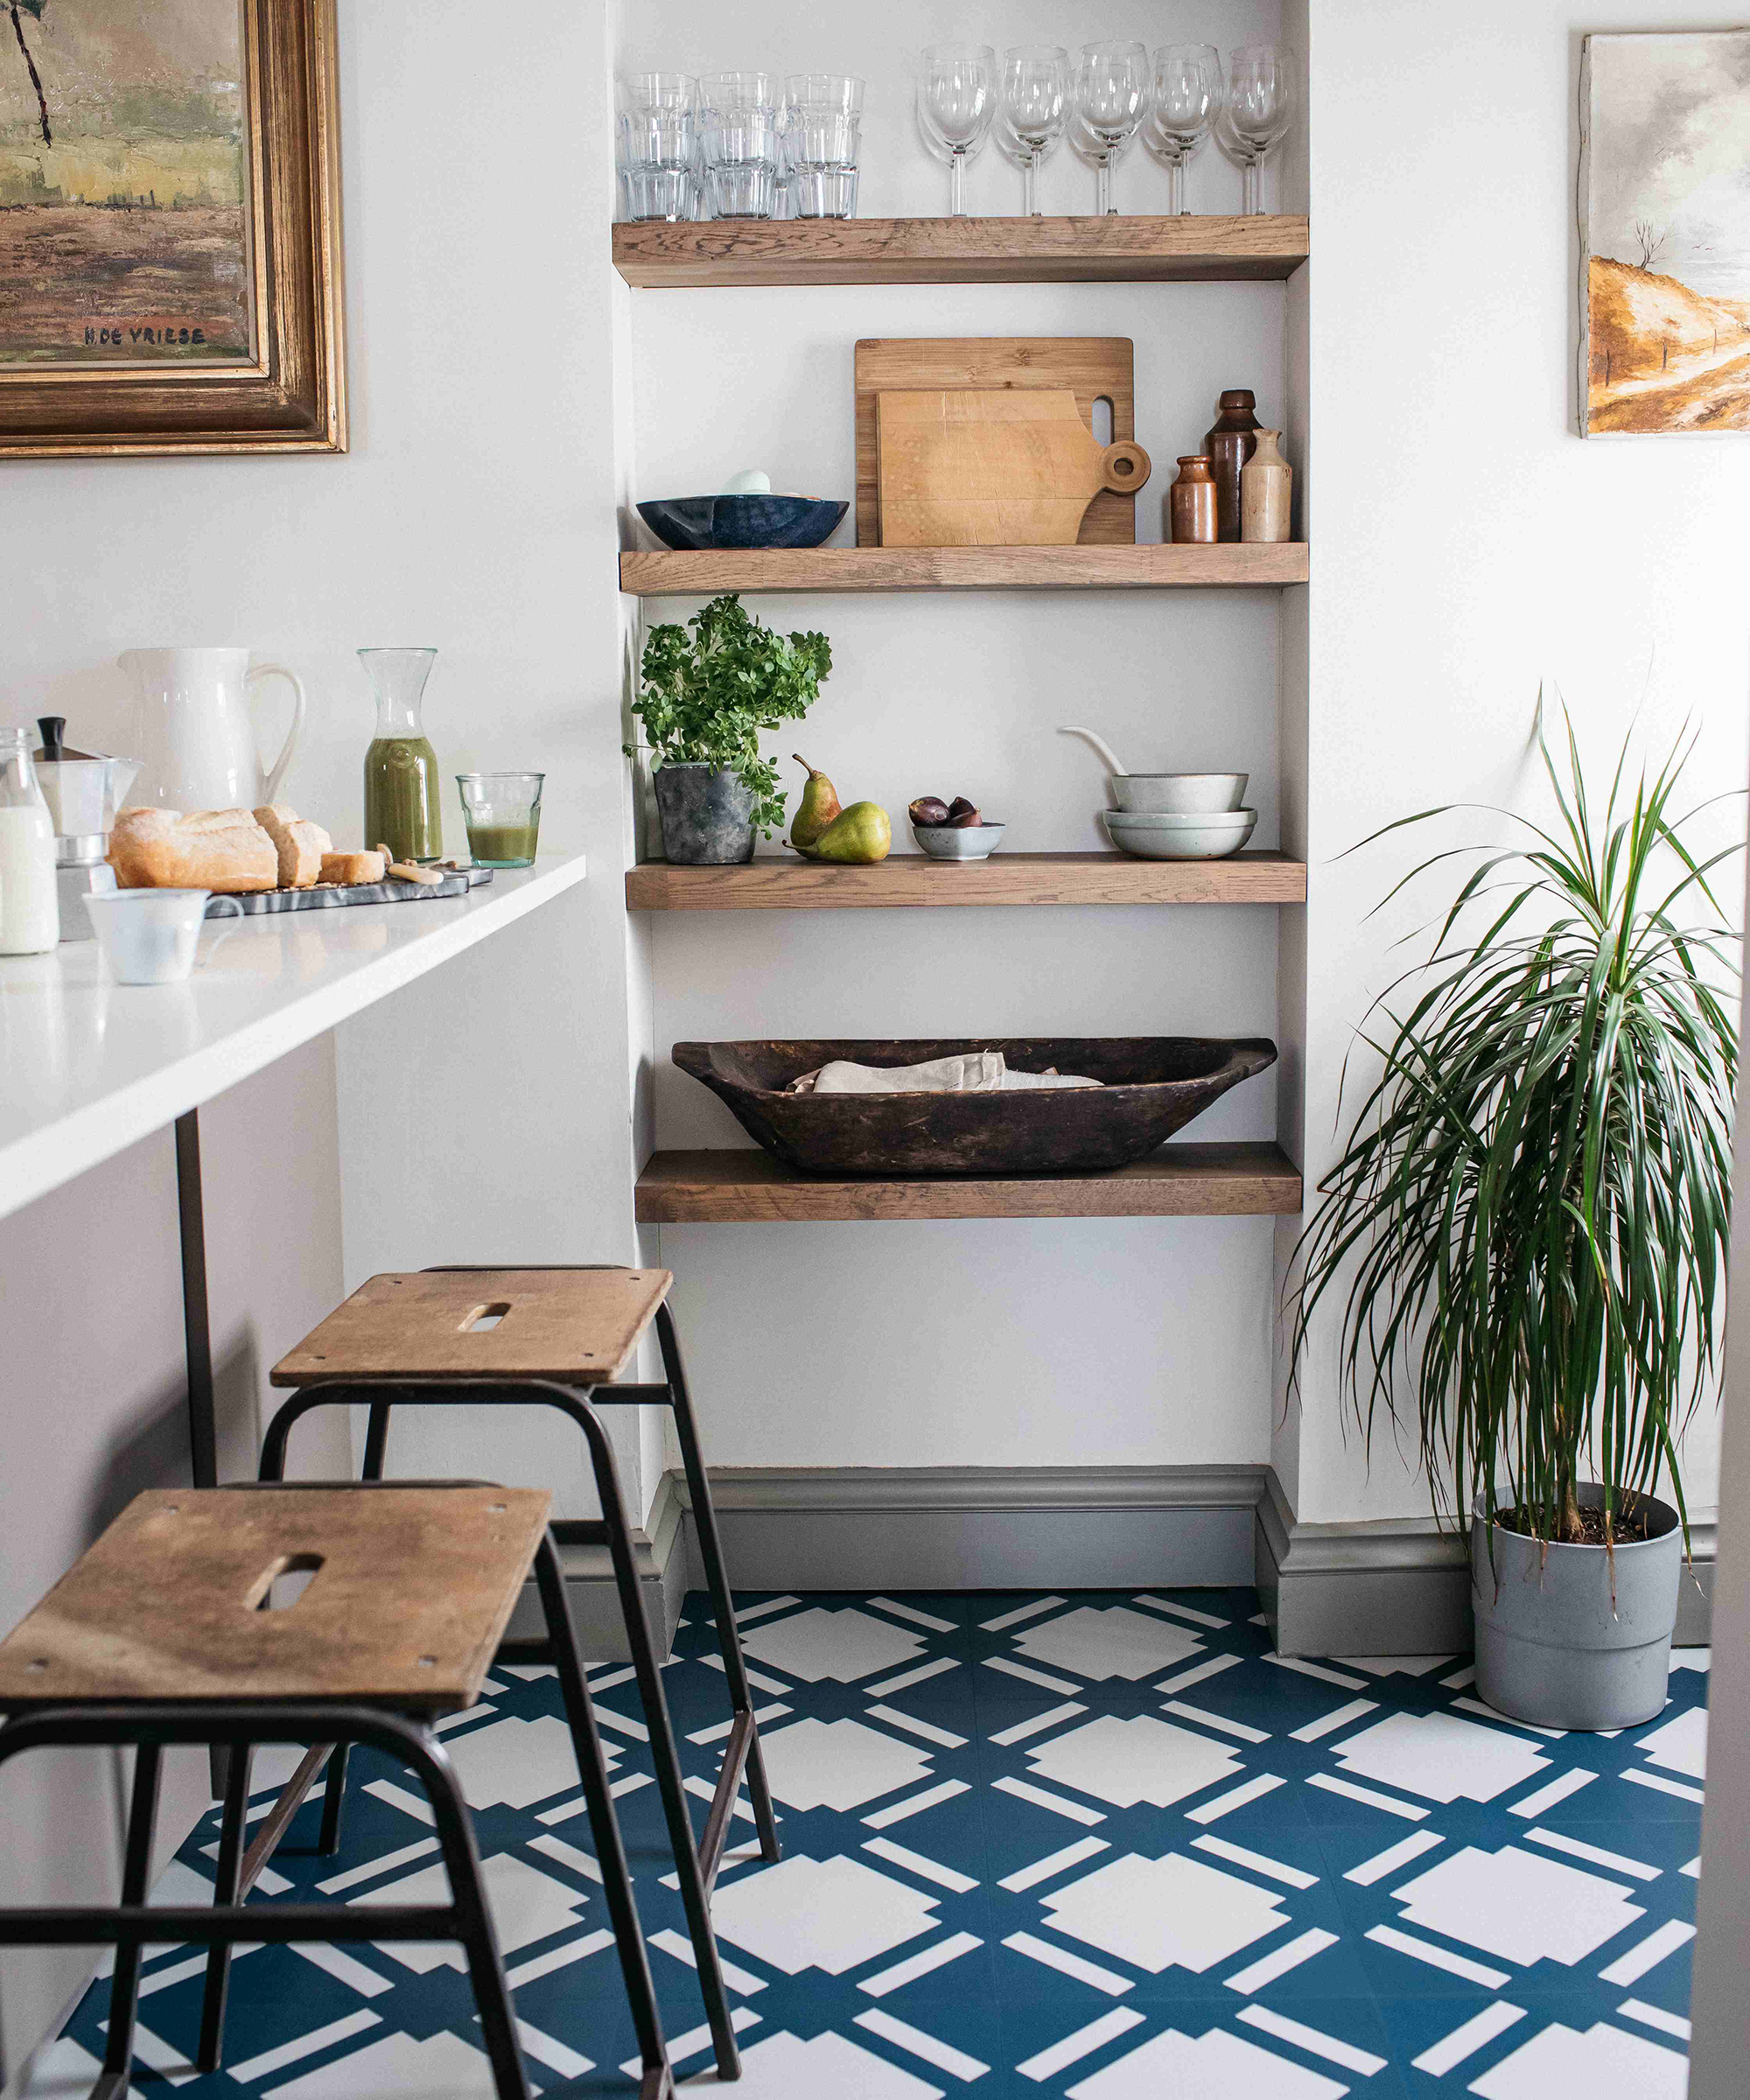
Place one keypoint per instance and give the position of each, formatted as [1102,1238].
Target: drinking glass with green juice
[503,811]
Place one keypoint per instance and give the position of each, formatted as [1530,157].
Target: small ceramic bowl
[1180,794]
[1158,835]
[958,842]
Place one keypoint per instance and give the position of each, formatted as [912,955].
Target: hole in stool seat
[283,1582]
[484,1318]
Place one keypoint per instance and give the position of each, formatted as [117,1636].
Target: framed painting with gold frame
[170,228]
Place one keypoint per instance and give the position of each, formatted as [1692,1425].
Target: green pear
[860,835]
[819,806]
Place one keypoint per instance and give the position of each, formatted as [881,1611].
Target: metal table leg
[196,1337]
[197,1346]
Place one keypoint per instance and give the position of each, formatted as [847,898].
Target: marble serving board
[255,902]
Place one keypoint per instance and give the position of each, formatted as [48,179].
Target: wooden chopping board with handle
[1093,368]
[1008,467]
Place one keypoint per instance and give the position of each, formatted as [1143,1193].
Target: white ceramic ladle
[1182,793]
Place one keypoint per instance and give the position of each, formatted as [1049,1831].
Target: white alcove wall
[1040,1343]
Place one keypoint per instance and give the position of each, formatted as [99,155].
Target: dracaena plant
[707,694]
[1526,1236]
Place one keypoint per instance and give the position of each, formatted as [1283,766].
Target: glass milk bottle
[29,917]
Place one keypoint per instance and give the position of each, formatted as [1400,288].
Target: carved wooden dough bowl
[1153,1086]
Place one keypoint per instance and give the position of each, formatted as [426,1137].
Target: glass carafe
[402,796]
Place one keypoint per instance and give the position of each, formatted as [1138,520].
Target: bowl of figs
[953,830]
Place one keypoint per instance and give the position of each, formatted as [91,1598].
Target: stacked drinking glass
[659,145]
[732,145]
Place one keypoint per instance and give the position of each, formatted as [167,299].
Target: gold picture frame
[284,391]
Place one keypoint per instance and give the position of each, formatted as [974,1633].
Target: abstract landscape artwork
[170,275]
[124,180]
[1664,207]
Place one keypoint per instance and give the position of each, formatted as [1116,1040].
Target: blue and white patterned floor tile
[1095,1847]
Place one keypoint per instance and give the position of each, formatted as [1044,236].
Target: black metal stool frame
[696,1863]
[742,1753]
[132,1925]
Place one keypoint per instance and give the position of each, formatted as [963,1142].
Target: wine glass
[1035,107]
[1259,106]
[1087,149]
[1111,98]
[1188,97]
[956,99]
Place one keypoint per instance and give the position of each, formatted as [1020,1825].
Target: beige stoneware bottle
[1266,492]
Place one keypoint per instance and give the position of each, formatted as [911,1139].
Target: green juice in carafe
[401,798]
[401,809]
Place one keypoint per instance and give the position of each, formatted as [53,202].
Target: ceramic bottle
[1228,443]
[1191,502]
[1266,492]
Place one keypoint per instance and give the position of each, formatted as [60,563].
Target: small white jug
[193,732]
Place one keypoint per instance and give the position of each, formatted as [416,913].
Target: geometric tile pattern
[1094,1845]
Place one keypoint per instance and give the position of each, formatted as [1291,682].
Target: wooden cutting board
[1014,467]
[1092,367]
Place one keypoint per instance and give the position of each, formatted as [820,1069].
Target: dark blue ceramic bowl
[700,524]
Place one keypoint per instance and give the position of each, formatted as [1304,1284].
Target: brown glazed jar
[1231,441]
[1191,502]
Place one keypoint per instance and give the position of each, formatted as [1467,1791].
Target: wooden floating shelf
[664,573]
[771,884]
[1116,249]
[741,1187]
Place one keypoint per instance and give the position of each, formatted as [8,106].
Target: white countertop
[88,1066]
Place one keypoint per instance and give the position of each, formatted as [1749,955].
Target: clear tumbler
[502,812]
[738,136]
[823,117]
[659,145]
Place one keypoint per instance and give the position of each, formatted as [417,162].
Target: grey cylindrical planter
[1573,1636]
[707,814]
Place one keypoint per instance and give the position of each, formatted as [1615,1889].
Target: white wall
[1719,2006]
[1466,543]
[475,512]
[1075,1342]
[93,1411]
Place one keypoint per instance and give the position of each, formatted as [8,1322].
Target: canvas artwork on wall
[1664,207]
[169,228]
[125,169]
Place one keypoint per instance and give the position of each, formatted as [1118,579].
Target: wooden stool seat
[411,1591]
[576,1326]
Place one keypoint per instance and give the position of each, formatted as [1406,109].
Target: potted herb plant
[1527,1234]
[707,690]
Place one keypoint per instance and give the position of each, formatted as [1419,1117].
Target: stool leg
[376,1441]
[479,1941]
[334,1800]
[664,1757]
[710,1552]
[622,1906]
[226,1880]
[124,1989]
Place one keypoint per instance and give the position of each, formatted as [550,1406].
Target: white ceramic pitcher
[193,732]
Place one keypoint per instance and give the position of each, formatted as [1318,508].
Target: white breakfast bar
[88,1067]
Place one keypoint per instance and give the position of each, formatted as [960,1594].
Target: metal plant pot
[707,814]
[1574,1636]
